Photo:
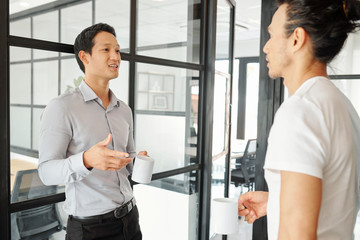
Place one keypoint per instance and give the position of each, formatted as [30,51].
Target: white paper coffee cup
[225,215]
[143,168]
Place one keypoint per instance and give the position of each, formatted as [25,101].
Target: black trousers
[126,228]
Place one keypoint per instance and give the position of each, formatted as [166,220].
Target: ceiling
[154,12]
[21,5]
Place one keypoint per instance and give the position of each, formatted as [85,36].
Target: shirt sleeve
[130,148]
[55,167]
[299,140]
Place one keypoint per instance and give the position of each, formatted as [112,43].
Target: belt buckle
[118,212]
[123,210]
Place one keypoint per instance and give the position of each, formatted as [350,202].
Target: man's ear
[83,57]
[299,38]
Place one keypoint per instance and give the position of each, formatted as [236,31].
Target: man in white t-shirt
[312,163]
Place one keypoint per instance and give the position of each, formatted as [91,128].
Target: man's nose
[115,55]
[265,49]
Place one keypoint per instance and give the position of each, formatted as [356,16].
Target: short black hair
[84,41]
[328,23]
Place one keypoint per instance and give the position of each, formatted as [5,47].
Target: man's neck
[101,89]
[301,72]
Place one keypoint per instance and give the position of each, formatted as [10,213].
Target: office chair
[244,172]
[37,223]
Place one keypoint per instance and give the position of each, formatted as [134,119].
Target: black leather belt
[118,213]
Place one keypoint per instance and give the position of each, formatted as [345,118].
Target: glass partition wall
[163,77]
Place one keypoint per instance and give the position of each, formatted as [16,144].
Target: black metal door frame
[205,67]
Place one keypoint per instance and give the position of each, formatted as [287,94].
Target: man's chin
[273,75]
[114,76]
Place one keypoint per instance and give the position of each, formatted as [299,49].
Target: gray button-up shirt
[71,124]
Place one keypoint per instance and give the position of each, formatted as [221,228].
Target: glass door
[222,102]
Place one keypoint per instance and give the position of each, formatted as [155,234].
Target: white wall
[247,48]
[166,214]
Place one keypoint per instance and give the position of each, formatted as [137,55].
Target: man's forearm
[62,171]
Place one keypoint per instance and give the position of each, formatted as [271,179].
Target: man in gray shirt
[86,143]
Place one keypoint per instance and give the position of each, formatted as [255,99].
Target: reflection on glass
[164,139]
[70,73]
[71,76]
[20,27]
[27,184]
[20,83]
[158,90]
[118,16]
[45,81]
[19,6]
[176,216]
[71,26]
[166,115]
[168,29]
[45,221]
[44,55]
[32,85]
[220,114]
[223,30]
[217,183]
[120,85]
[20,131]
[46,26]
[161,88]
[19,54]
[45,21]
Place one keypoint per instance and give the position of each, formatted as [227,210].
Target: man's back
[313,134]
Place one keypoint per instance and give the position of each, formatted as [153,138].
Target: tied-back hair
[84,41]
[328,23]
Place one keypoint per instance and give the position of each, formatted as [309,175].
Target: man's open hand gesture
[100,157]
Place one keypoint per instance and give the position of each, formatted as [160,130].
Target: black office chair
[37,223]
[244,172]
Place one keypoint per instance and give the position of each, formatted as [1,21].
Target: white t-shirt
[316,132]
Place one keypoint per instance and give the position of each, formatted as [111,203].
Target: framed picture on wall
[160,102]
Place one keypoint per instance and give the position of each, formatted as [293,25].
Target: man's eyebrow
[109,44]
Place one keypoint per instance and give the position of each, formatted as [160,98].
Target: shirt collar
[114,101]
[89,94]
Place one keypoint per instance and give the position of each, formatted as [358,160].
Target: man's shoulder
[317,94]
[124,105]
[65,99]
[320,91]
[69,96]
